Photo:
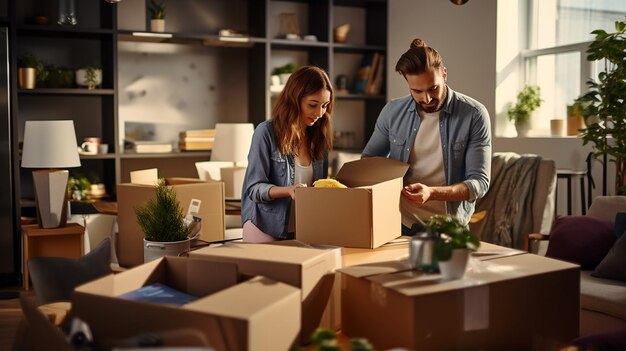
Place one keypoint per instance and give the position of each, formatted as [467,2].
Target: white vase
[156,249]
[522,128]
[157,25]
[82,79]
[454,268]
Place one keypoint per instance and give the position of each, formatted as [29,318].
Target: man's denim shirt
[268,167]
[465,140]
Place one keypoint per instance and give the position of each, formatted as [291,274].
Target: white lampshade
[50,144]
[232,142]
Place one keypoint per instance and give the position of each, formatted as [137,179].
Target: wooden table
[66,241]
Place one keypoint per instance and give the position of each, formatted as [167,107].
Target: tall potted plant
[607,130]
[163,224]
[528,100]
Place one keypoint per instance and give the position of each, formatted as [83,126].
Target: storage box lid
[370,171]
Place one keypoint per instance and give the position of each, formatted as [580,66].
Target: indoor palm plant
[455,241]
[606,123]
[163,224]
[528,100]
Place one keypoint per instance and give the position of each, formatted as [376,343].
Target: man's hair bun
[418,43]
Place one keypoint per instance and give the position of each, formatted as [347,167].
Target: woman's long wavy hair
[305,81]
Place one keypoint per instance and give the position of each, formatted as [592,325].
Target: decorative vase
[26,77]
[574,124]
[454,268]
[67,13]
[522,128]
[156,249]
[84,80]
[157,25]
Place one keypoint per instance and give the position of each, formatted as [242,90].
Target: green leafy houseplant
[157,10]
[607,108]
[326,340]
[528,100]
[29,60]
[162,218]
[452,235]
[286,69]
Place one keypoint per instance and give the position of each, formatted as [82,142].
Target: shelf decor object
[50,145]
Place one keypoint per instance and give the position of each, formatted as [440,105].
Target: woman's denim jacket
[268,167]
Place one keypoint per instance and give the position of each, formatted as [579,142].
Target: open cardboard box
[308,269]
[515,301]
[129,196]
[365,215]
[255,314]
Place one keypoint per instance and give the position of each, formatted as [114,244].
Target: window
[553,55]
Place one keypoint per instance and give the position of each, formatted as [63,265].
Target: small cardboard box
[310,270]
[233,181]
[129,196]
[366,214]
[519,301]
[232,315]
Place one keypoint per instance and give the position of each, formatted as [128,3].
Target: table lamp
[50,145]
[232,144]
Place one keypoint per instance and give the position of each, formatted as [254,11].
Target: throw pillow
[620,223]
[582,240]
[613,265]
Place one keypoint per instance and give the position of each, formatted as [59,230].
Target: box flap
[200,277]
[370,171]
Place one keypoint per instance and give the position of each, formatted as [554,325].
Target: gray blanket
[509,200]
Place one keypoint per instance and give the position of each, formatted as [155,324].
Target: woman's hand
[277,192]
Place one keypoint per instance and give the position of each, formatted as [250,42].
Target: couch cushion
[582,240]
[603,295]
[613,266]
[605,207]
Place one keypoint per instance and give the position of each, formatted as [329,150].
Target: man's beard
[438,104]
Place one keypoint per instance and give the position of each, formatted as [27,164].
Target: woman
[287,152]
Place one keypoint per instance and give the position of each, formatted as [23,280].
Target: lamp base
[51,197]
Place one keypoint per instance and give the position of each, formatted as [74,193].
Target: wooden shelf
[297,44]
[188,39]
[98,157]
[65,91]
[63,32]
[174,154]
[351,48]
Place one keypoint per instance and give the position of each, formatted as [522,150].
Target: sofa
[598,243]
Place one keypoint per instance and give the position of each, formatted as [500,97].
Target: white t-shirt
[426,167]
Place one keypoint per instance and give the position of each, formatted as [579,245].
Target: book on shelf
[195,145]
[159,293]
[148,146]
[197,133]
[376,83]
[366,73]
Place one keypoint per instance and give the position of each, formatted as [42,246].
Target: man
[445,137]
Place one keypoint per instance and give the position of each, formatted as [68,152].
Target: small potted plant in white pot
[157,16]
[455,243]
[89,76]
[528,100]
[163,224]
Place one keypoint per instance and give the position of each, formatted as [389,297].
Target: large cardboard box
[256,314]
[310,270]
[129,196]
[511,302]
[366,214]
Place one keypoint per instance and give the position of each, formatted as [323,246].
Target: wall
[466,37]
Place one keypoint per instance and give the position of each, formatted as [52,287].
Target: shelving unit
[236,74]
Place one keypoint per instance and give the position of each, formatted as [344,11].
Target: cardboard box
[366,214]
[233,181]
[256,314]
[130,239]
[520,301]
[310,270]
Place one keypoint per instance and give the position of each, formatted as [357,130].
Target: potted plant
[606,120]
[528,100]
[283,72]
[163,224]
[30,70]
[89,76]
[453,246]
[576,113]
[157,16]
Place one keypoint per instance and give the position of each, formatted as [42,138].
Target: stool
[569,174]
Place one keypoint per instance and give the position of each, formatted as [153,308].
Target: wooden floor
[10,317]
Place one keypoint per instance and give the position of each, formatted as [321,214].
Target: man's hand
[417,193]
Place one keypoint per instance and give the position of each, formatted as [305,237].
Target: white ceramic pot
[284,77]
[157,25]
[454,268]
[522,128]
[155,249]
